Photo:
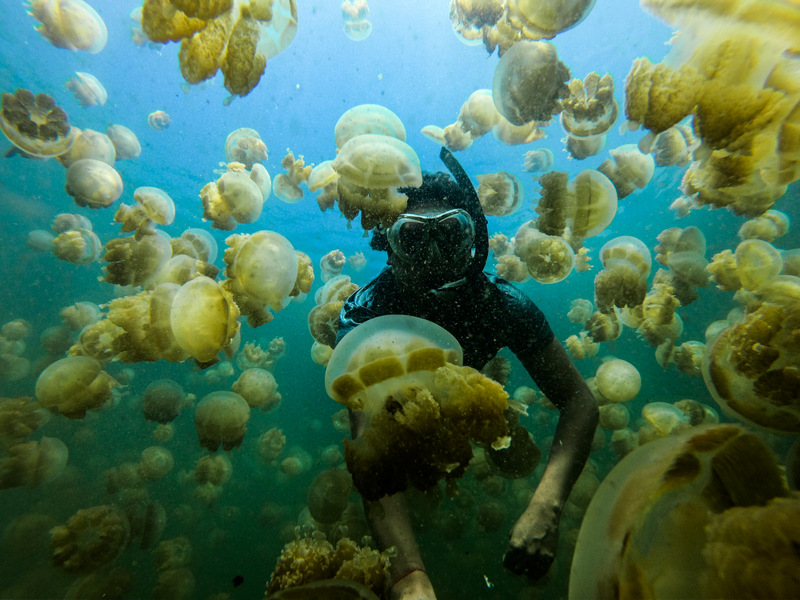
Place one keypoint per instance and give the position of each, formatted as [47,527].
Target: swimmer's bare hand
[415,586]
[533,543]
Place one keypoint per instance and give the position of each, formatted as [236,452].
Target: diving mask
[412,236]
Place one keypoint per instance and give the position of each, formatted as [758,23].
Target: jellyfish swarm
[356,22]
[420,407]
[680,516]
[70,24]
[35,125]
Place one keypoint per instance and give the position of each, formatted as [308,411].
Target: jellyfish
[91,539]
[93,183]
[654,526]
[500,193]
[125,142]
[33,463]
[323,320]
[513,135]
[286,186]
[529,81]
[270,445]
[35,125]
[614,416]
[87,89]
[162,400]
[331,264]
[261,269]
[581,346]
[244,145]
[158,120]
[221,420]
[618,380]
[74,385]
[153,205]
[89,144]
[328,495]
[628,169]
[537,20]
[367,118]
[674,146]
[538,160]
[470,18]
[549,258]
[403,373]
[155,463]
[78,246]
[70,24]
[324,179]
[196,243]
[768,227]
[133,261]
[234,198]
[356,23]
[259,389]
[623,281]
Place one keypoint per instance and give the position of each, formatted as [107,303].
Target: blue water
[413,64]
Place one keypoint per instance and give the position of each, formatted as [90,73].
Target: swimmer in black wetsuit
[437,250]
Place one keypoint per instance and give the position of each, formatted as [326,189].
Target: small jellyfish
[286,186]
[78,246]
[35,125]
[549,258]
[325,180]
[158,120]
[93,183]
[500,193]
[538,160]
[618,380]
[89,144]
[87,89]
[234,198]
[331,264]
[221,420]
[356,22]
[357,261]
[125,142]
[628,169]
[244,145]
[70,24]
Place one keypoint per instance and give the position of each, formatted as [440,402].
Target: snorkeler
[437,250]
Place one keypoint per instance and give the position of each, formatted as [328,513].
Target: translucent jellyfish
[91,539]
[758,263]
[93,183]
[513,135]
[769,226]
[89,144]
[158,120]
[614,417]
[33,463]
[470,18]
[70,24]
[581,346]
[78,246]
[259,389]
[529,82]
[245,146]
[580,310]
[402,372]
[35,125]
[298,462]
[203,318]
[125,142]
[653,528]
[153,204]
[500,193]
[367,118]
[135,261]
[580,148]
[155,463]
[674,146]
[39,240]
[478,115]
[325,180]
[628,169]
[87,89]
[538,160]
[261,269]
[234,198]
[323,320]
[221,420]
[549,258]
[536,20]
[328,495]
[618,380]
[162,400]
[663,419]
[331,264]
[286,186]
[74,385]
[590,108]
[378,161]
[197,243]
[356,22]
[270,445]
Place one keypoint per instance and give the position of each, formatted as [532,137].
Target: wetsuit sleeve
[357,309]
[530,331]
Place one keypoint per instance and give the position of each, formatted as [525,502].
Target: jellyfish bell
[627,250]
[126,144]
[35,125]
[549,258]
[162,400]
[221,420]
[367,118]
[245,145]
[618,380]
[93,183]
[539,20]
[328,495]
[89,144]
[70,24]
[87,89]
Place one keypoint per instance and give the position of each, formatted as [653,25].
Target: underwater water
[413,64]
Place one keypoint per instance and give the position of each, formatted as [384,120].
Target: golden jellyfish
[768,227]
[478,115]
[93,183]
[378,161]
[356,22]
[244,145]
[197,243]
[323,320]
[618,380]
[34,124]
[581,346]
[614,416]
[500,193]
[91,539]
[39,240]
[261,269]
[628,169]
[153,204]
[259,389]
[623,280]
[328,495]
[656,527]
[580,310]
[70,24]
[584,147]
[89,144]
[155,463]
[538,160]
[33,463]
[126,144]
[162,400]
[298,462]
[133,261]
[234,198]
[158,120]
[529,82]
[674,146]
[404,373]
[270,445]
[469,18]
[87,89]
[513,135]
[203,318]
[286,186]
[331,264]
[683,251]
[758,263]
[590,108]
[78,246]
[221,420]
[549,258]
[662,419]
[536,20]
[74,385]
[324,179]
[367,118]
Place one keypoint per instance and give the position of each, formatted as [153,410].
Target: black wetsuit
[484,315]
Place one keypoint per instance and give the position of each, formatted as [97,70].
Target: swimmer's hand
[415,586]
[533,543]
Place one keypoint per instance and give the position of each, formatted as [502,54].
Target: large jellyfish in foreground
[34,124]
[70,24]
[701,514]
